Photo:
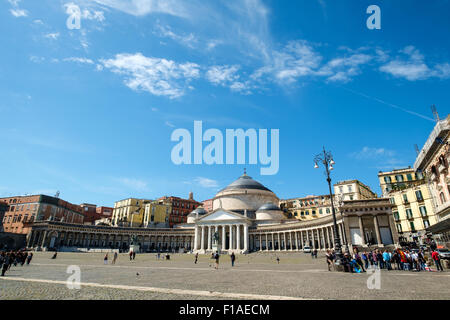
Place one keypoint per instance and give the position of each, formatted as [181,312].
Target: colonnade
[52,238]
[320,238]
[231,237]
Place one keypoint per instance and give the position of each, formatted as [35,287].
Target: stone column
[328,238]
[196,238]
[209,237]
[44,238]
[231,237]
[301,240]
[260,242]
[377,230]
[202,244]
[279,241]
[238,237]
[273,243]
[307,238]
[296,240]
[224,237]
[290,241]
[285,242]
[361,230]
[267,242]
[245,237]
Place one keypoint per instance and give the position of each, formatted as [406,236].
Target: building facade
[156,214]
[414,210]
[180,208]
[129,212]
[307,208]
[352,190]
[24,209]
[433,161]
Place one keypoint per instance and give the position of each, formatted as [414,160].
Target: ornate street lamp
[327,160]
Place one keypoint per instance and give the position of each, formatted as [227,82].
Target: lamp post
[327,160]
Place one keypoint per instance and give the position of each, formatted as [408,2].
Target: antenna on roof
[435,113]
[416,147]
[57,194]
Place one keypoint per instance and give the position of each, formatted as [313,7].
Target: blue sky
[90,111]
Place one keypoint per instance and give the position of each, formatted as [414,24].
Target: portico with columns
[230,227]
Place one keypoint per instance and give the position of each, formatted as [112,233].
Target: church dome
[244,195]
[268,207]
[199,211]
[269,211]
[245,182]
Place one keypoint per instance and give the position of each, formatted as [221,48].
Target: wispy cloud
[372,153]
[206,183]
[379,158]
[143,7]
[19,13]
[411,65]
[53,36]
[160,77]
[79,60]
[134,184]
[188,40]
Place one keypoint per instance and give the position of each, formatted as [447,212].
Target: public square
[254,276]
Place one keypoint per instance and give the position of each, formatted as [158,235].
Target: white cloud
[188,40]
[53,36]
[342,69]
[79,60]
[143,7]
[157,76]
[414,67]
[372,153]
[135,184]
[206,183]
[19,13]
[222,74]
[169,124]
[37,59]
[38,21]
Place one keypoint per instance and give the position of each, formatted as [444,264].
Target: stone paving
[255,276]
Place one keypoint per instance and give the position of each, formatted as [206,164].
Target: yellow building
[157,213]
[307,208]
[129,212]
[409,191]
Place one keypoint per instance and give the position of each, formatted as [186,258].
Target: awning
[440,227]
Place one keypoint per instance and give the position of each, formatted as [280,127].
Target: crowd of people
[398,259]
[14,258]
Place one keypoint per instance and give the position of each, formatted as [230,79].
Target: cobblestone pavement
[255,276]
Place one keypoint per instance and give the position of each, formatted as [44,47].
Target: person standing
[30,256]
[131,255]
[114,258]
[105,259]
[196,258]
[437,261]
[134,255]
[366,260]
[216,257]
[6,263]
[387,260]
[233,257]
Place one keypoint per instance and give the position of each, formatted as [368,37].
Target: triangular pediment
[221,215]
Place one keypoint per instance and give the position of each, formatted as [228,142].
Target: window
[399,228]
[313,212]
[328,210]
[392,200]
[423,211]
[351,197]
[350,189]
[409,177]
[387,179]
[419,175]
[396,216]
[405,198]
[442,196]
[411,224]
[426,223]
[409,214]
[419,195]
[399,178]
[341,189]
[307,213]
[320,211]
[302,213]
[296,213]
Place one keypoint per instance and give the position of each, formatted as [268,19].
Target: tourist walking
[105,259]
[278,260]
[216,257]
[6,263]
[196,258]
[134,255]
[437,261]
[329,258]
[114,258]
[131,255]
[365,260]
[233,257]
[30,256]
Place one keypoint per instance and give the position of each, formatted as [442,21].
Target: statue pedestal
[134,248]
